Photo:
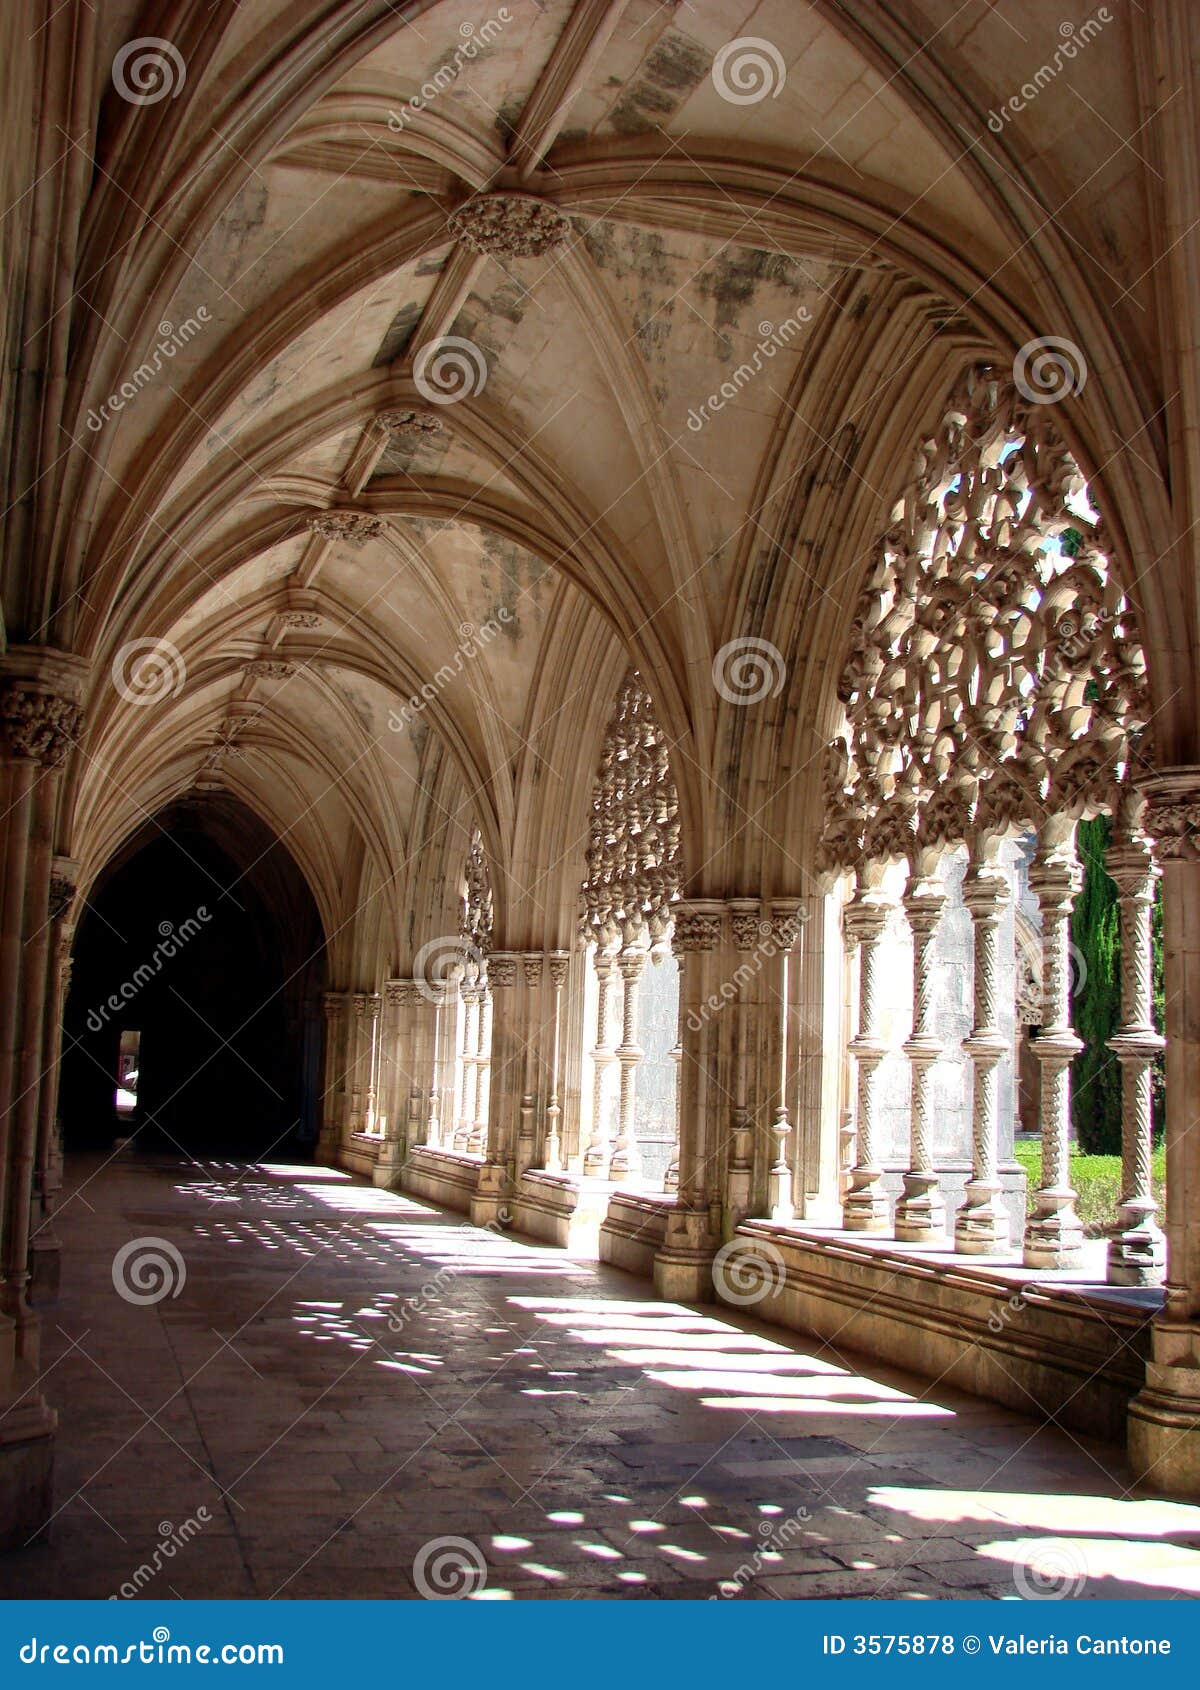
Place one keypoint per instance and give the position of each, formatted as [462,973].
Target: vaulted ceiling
[269,256]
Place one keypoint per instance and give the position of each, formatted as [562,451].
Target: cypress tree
[1096,984]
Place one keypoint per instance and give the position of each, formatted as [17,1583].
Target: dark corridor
[196,983]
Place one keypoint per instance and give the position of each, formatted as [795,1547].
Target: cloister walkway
[339,1376]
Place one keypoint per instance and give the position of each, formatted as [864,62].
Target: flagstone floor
[350,1394]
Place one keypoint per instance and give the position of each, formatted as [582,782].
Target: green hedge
[1097,1179]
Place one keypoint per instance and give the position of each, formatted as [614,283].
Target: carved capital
[509,225]
[531,967]
[697,926]
[402,994]
[64,880]
[36,723]
[558,963]
[1172,816]
[502,969]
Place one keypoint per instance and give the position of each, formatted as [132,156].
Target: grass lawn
[1097,1179]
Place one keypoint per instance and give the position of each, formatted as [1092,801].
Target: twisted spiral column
[596,1155]
[920,1212]
[865,1207]
[981,1225]
[1137,1255]
[1053,1233]
[625,1163]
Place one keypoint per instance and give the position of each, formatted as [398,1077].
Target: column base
[1054,1234]
[595,1162]
[683,1267]
[1137,1257]
[491,1201]
[1164,1430]
[921,1213]
[981,1225]
[26,1471]
[387,1171]
[865,1206]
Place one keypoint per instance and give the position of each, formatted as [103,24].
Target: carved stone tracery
[996,670]
[354,527]
[633,866]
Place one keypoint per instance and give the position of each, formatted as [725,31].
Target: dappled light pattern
[348,1375]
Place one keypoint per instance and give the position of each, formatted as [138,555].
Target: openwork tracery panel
[996,672]
[633,869]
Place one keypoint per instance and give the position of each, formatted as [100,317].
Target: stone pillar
[626,1162]
[46,1247]
[553,1160]
[748,930]
[865,1208]
[981,1225]
[1138,1253]
[333,1102]
[1053,1233]
[442,1093]
[683,1267]
[470,995]
[40,721]
[477,1140]
[1164,1419]
[920,1212]
[397,1039]
[596,1156]
[513,1004]
[371,1055]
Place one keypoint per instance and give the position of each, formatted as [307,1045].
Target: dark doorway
[198,969]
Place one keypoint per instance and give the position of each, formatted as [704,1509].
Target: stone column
[553,1161]
[532,967]
[1053,1233]
[981,1225]
[440,1123]
[671,1171]
[1138,1253]
[470,995]
[371,1056]
[333,1105]
[748,930]
[40,722]
[596,1156]
[683,1267]
[865,1208]
[46,1246]
[477,1140]
[920,1212]
[513,1001]
[1164,1419]
[626,1162]
[397,1040]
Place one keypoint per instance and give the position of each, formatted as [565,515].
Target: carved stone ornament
[531,967]
[301,620]
[996,669]
[475,923]
[411,426]
[355,527]
[63,883]
[38,724]
[269,669]
[507,225]
[633,870]
[403,994]
[502,969]
[1172,814]
[696,930]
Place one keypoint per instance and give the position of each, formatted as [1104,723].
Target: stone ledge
[562,1209]
[449,1177]
[1052,1345]
[634,1229]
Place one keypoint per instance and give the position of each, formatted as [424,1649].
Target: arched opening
[193,1020]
